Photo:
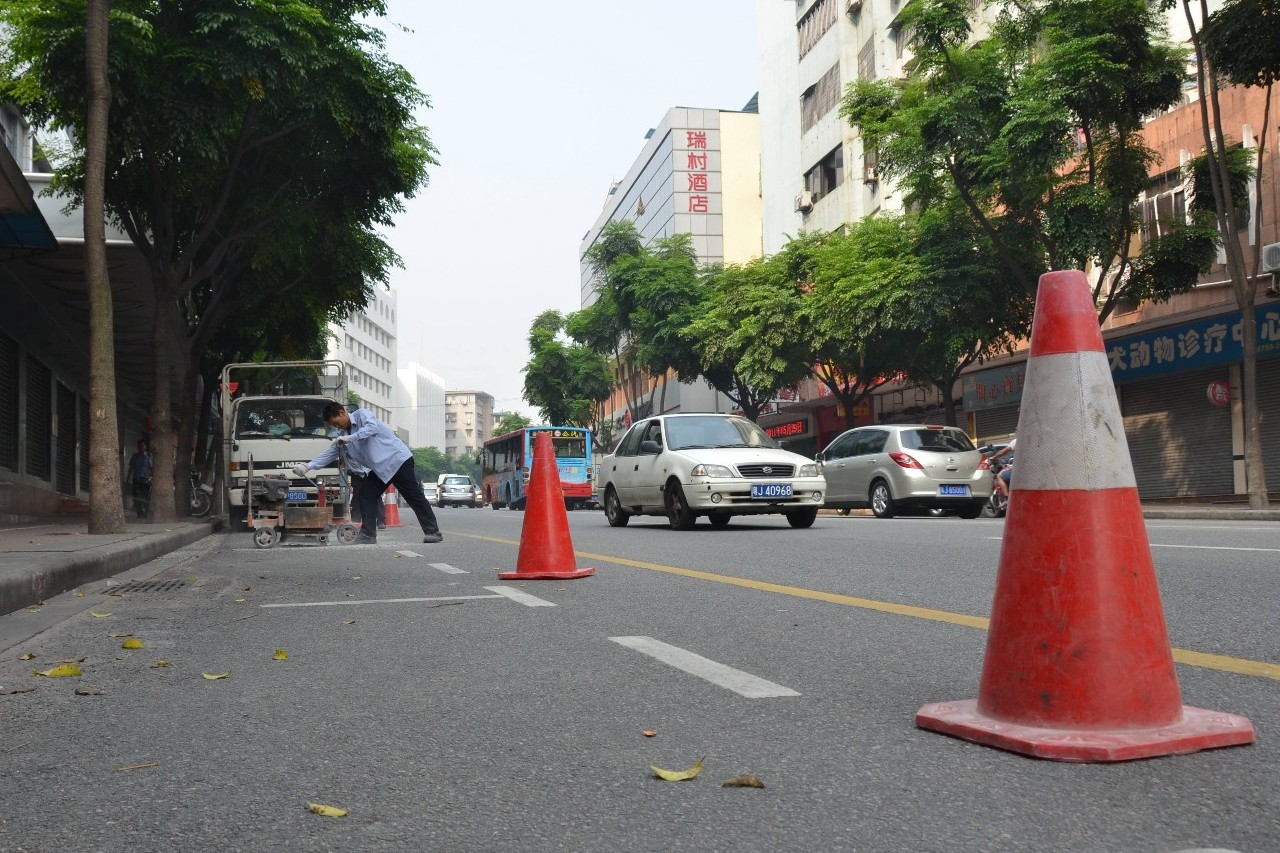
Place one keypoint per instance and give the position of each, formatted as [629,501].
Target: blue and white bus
[509,458]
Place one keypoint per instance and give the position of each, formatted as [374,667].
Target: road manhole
[171,585]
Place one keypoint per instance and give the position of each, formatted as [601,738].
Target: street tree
[510,422]
[1036,131]
[1237,45]
[565,380]
[229,116]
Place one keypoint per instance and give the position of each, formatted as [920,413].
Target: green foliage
[1242,41]
[564,380]
[431,463]
[510,422]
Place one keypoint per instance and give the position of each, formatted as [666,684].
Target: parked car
[432,491]
[455,490]
[889,467]
[686,465]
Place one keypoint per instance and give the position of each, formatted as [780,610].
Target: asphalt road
[446,715]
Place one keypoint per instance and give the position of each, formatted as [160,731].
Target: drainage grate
[148,586]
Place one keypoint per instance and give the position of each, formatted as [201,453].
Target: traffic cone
[392,506]
[1078,665]
[546,549]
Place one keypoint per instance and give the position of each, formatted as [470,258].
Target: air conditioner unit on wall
[870,174]
[804,201]
[1271,257]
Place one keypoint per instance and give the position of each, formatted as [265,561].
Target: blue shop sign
[1203,343]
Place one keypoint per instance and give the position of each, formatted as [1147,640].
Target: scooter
[998,504]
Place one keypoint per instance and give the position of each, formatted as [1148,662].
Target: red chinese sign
[790,428]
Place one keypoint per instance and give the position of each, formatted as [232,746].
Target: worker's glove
[300,470]
[341,440]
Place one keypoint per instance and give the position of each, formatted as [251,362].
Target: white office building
[420,406]
[366,345]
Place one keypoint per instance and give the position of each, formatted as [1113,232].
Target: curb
[46,575]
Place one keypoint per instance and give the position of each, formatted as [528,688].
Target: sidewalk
[43,560]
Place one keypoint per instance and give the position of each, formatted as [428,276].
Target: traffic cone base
[1078,665]
[546,549]
[1196,730]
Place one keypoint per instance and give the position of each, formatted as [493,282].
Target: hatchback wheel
[613,511]
[881,500]
[679,514]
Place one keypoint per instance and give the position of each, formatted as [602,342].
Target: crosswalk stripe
[448,569]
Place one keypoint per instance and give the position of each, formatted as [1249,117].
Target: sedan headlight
[711,471]
[810,470]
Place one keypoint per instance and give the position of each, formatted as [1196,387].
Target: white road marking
[449,570]
[742,683]
[519,596]
[382,601]
[408,553]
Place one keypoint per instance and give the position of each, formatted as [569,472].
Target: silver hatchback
[889,467]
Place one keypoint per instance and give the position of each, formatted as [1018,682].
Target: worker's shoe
[365,540]
[433,537]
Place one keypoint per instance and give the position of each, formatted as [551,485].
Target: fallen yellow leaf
[159,664]
[208,677]
[239,601]
[132,643]
[327,811]
[99,615]
[649,733]
[67,669]
[27,656]
[678,775]
[281,654]
[79,593]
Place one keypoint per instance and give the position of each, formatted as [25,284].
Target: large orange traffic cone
[1078,665]
[546,549]
[391,502]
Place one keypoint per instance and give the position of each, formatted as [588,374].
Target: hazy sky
[535,109]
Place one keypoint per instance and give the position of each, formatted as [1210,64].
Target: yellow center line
[1240,666]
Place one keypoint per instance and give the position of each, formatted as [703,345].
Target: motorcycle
[998,504]
[201,496]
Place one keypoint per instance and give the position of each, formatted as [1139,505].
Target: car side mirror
[650,446]
[818,457]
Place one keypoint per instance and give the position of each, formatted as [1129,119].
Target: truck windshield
[281,418]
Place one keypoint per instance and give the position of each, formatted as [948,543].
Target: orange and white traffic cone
[392,506]
[546,549]
[1078,665]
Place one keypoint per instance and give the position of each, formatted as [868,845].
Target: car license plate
[769,491]
[297,495]
[958,491]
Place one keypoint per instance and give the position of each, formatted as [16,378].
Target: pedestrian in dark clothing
[140,479]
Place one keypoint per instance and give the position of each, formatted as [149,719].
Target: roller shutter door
[1269,411]
[996,423]
[66,473]
[1180,443]
[10,400]
[39,420]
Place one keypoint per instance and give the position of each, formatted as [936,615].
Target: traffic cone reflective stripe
[392,506]
[546,549]
[1078,665]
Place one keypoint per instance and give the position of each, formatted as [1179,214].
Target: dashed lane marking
[449,570]
[520,596]
[383,601]
[1240,666]
[742,683]
[408,553]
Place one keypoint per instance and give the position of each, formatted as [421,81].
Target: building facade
[468,422]
[420,406]
[366,345]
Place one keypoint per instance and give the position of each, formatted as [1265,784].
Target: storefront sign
[790,429]
[1218,392]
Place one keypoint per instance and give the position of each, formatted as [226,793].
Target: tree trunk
[106,507]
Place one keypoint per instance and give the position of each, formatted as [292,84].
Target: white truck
[271,420]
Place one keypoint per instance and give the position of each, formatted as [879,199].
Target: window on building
[815,23]
[867,60]
[820,98]
[827,174]
[1164,205]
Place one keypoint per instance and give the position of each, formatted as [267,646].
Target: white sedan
[686,465]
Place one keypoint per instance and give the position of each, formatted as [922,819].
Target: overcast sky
[535,109]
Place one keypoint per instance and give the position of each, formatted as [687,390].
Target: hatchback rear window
[936,440]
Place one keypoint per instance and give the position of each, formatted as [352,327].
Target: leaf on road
[121,634]
[88,691]
[649,733]
[79,593]
[27,656]
[678,775]
[349,622]
[239,601]
[746,780]
[207,677]
[99,615]
[132,643]
[12,690]
[361,577]
[326,811]
[281,654]
[141,766]
[71,660]
[64,671]
[160,663]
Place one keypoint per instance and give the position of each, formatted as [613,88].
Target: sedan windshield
[715,431]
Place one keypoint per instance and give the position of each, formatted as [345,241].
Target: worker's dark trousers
[406,482]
